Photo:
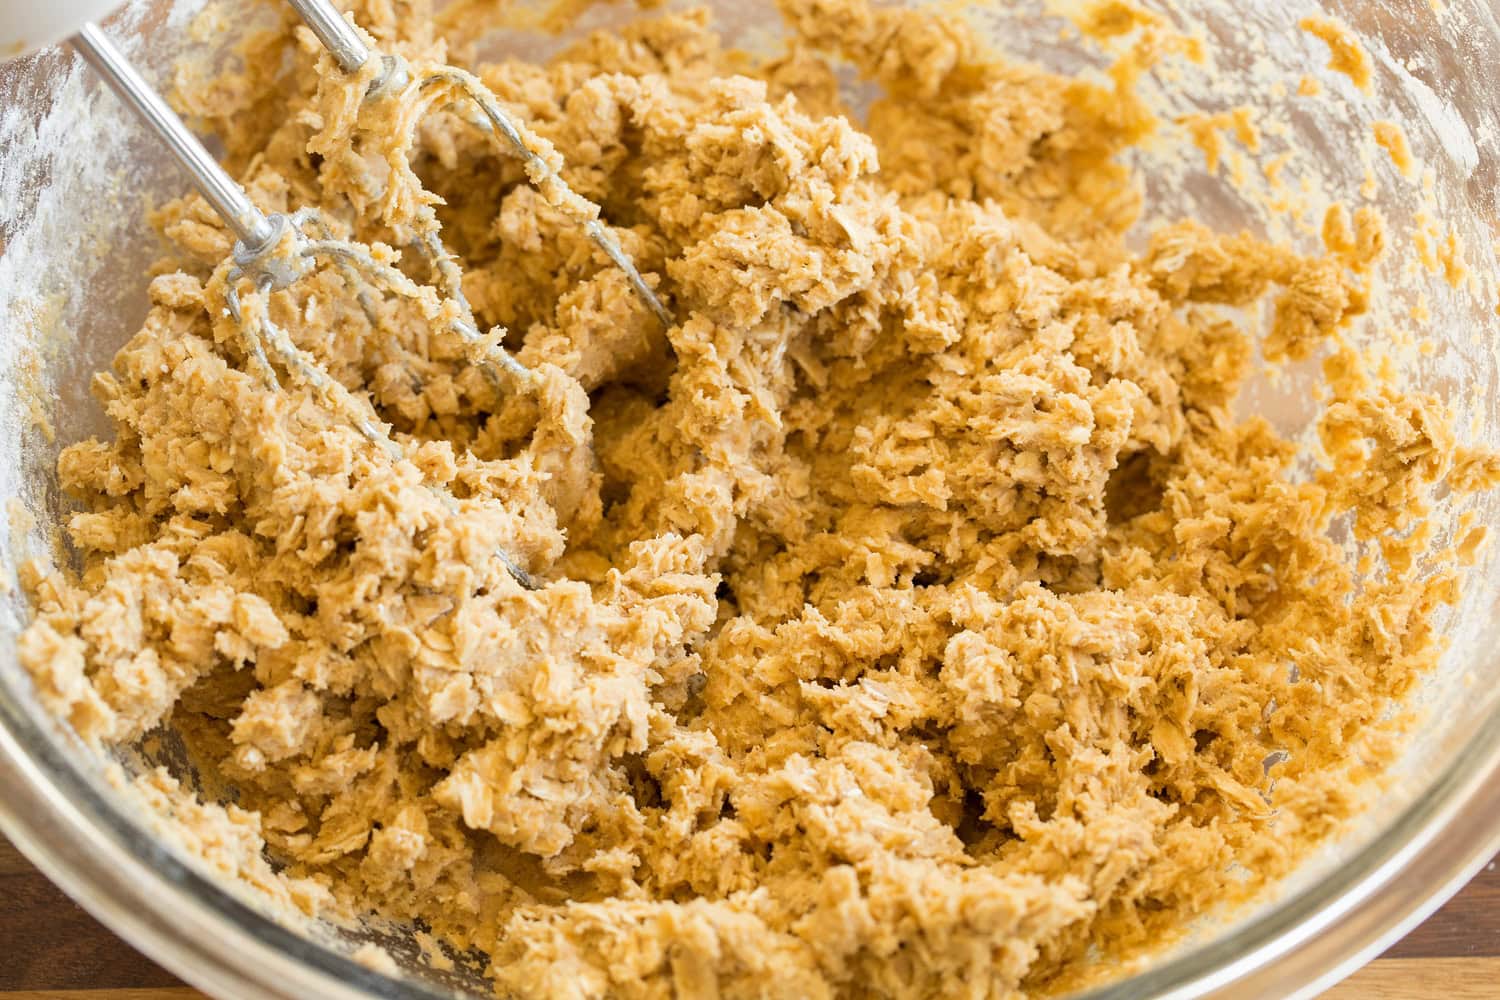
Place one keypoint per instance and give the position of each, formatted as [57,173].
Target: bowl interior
[76,175]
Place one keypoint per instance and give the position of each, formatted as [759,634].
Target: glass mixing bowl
[76,174]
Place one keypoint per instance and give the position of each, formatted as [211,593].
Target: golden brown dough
[1345,55]
[919,621]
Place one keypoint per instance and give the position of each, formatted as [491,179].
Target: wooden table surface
[50,949]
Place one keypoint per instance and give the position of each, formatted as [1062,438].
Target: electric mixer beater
[273,251]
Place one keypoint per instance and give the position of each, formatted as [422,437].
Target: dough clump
[917,619]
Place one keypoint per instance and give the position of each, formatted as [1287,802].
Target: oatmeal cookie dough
[917,618]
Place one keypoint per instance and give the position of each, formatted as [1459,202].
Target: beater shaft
[253,229]
[337,35]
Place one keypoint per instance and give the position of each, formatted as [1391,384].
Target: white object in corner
[28,25]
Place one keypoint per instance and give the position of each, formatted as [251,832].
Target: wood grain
[50,949]
[48,942]
[1467,927]
[1413,978]
[175,993]
[11,861]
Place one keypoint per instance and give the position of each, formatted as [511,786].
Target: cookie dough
[917,618]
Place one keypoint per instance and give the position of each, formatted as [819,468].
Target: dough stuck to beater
[916,618]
